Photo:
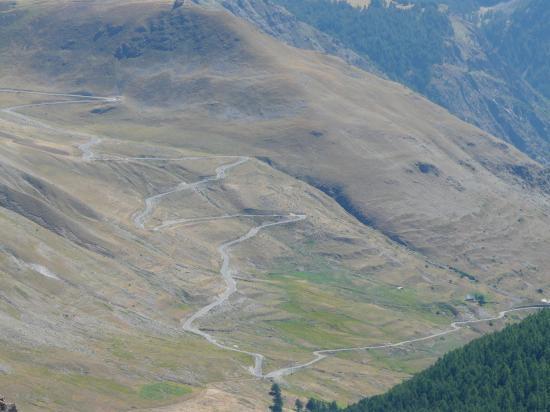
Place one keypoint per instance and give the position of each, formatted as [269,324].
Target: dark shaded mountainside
[397,162]
[486,61]
[505,371]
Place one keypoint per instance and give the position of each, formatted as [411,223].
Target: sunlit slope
[92,304]
[201,78]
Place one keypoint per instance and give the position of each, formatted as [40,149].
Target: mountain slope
[505,371]
[116,211]
[279,23]
[465,57]
[394,160]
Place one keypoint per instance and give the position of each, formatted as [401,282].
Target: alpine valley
[200,198]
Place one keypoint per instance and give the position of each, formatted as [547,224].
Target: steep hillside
[232,206]
[397,162]
[520,36]
[279,23]
[485,61]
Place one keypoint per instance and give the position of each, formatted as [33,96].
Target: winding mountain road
[141,218]
[455,326]
[227,273]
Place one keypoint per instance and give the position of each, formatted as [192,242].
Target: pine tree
[277,398]
[298,405]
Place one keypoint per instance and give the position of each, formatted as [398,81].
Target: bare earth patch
[212,400]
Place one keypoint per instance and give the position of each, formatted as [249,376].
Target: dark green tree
[277,398]
[480,298]
[298,405]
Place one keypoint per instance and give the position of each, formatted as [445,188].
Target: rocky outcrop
[177,4]
[479,86]
[5,406]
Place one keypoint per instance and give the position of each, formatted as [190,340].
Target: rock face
[481,86]
[177,4]
[7,407]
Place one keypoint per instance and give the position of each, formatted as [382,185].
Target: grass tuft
[163,390]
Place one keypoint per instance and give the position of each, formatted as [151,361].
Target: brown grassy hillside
[396,161]
[396,190]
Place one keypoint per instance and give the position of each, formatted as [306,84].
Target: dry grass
[111,325]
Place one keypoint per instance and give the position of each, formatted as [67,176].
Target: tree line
[507,371]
